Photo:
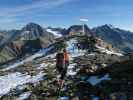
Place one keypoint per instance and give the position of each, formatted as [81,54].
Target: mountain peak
[108,26]
[32,25]
[32,31]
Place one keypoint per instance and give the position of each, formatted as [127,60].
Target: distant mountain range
[18,43]
[119,38]
[32,37]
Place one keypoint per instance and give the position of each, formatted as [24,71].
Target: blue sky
[63,13]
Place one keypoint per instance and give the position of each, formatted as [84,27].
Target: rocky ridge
[87,70]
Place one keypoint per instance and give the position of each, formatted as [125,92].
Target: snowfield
[71,71]
[13,80]
[73,50]
[55,33]
[95,80]
[24,96]
[108,51]
[63,98]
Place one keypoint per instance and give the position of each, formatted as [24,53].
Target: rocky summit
[94,73]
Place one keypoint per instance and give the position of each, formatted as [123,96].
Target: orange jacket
[66,56]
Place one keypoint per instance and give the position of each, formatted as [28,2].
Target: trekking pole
[58,92]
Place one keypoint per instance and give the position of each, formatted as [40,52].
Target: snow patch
[24,96]
[43,65]
[13,80]
[55,33]
[108,51]
[73,50]
[52,56]
[95,98]
[70,70]
[63,98]
[37,78]
[95,80]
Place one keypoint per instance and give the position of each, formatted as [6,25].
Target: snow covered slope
[72,48]
[55,33]
[13,80]
[104,50]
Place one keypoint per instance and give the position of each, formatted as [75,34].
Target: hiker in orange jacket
[62,62]
[66,63]
[66,58]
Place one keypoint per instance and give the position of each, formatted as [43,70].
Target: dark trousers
[64,71]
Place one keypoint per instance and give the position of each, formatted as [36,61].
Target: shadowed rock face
[32,31]
[28,40]
[119,38]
